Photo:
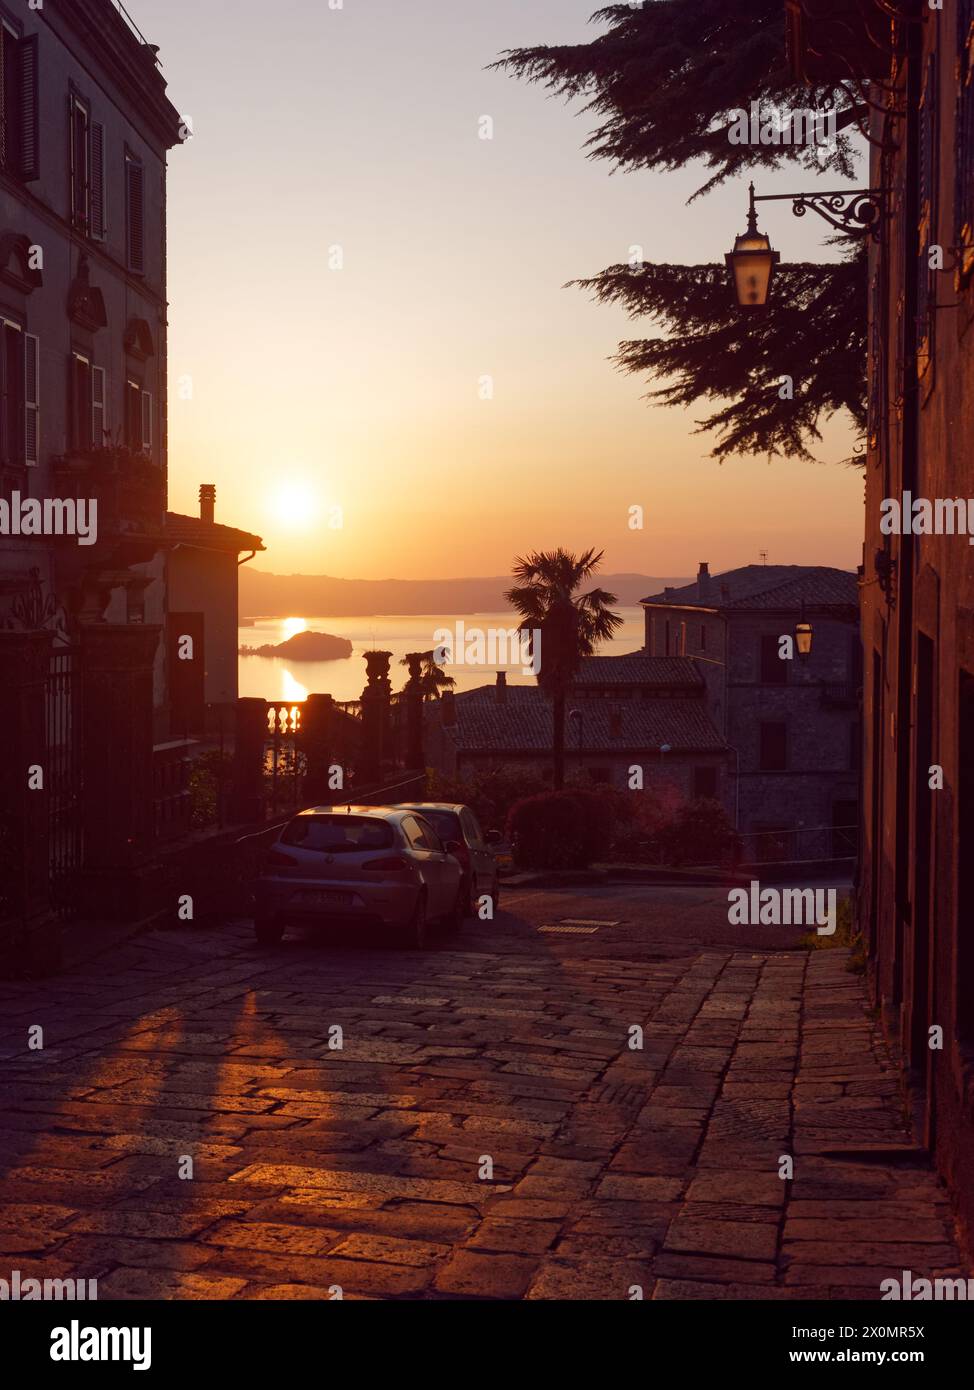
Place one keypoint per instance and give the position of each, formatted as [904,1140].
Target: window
[774,671]
[99,408]
[18,103]
[342,834]
[600,775]
[138,416]
[705,782]
[80,397]
[471,829]
[135,213]
[97,181]
[774,747]
[683,640]
[80,165]
[19,395]
[11,393]
[421,835]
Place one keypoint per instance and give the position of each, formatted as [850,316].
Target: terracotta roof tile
[523,723]
[209,535]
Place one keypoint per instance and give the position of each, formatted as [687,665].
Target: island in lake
[305,646]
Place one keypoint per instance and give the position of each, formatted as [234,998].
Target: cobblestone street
[363,1167]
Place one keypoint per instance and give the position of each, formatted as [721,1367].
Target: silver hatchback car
[370,865]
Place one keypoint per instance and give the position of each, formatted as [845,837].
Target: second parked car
[474,847]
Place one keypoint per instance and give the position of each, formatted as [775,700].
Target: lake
[276,678]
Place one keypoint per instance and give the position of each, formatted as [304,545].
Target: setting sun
[294,504]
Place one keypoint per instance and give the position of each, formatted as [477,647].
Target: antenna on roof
[764,556]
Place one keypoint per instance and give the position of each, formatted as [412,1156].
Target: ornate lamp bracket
[862,210]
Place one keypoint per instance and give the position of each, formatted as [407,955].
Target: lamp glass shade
[752,264]
[803,638]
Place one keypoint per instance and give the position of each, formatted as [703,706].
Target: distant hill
[319,595]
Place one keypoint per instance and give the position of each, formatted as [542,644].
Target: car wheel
[418,930]
[268,932]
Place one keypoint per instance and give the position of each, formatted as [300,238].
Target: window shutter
[80,379]
[135,185]
[32,403]
[5,134]
[146,420]
[30,163]
[98,181]
[99,413]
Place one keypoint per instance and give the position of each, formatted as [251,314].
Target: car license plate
[323,898]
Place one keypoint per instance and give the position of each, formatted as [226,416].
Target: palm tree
[432,678]
[571,625]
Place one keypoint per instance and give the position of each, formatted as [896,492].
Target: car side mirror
[452,847]
[493,837]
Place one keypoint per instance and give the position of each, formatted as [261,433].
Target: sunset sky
[359,388]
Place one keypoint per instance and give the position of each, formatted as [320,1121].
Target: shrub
[489,791]
[700,833]
[560,830]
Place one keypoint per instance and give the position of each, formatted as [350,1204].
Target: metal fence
[63,777]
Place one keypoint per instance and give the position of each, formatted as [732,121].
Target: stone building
[202,567]
[623,712]
[86,128]
[916,891]
[791,724]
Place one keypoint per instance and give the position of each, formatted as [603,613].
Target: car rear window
[338,834]
[445,823]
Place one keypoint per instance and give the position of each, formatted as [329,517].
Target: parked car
[367,865]
[475,851]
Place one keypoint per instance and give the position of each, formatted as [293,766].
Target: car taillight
[276,858]
[394,864]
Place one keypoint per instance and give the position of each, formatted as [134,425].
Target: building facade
[916,893]
[791,722]
[202,567]
[84,136]
[623,713]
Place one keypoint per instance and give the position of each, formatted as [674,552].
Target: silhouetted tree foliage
[663,80]
[713,350]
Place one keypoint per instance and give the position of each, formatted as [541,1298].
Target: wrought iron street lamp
[752,263]
[803,637]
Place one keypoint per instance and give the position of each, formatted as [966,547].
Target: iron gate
[62,701]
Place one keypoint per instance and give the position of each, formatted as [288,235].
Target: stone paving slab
[485,1132]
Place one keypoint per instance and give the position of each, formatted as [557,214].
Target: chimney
[501,688]
[704,582]
[207,501]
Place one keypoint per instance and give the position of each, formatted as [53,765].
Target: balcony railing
[129,488]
